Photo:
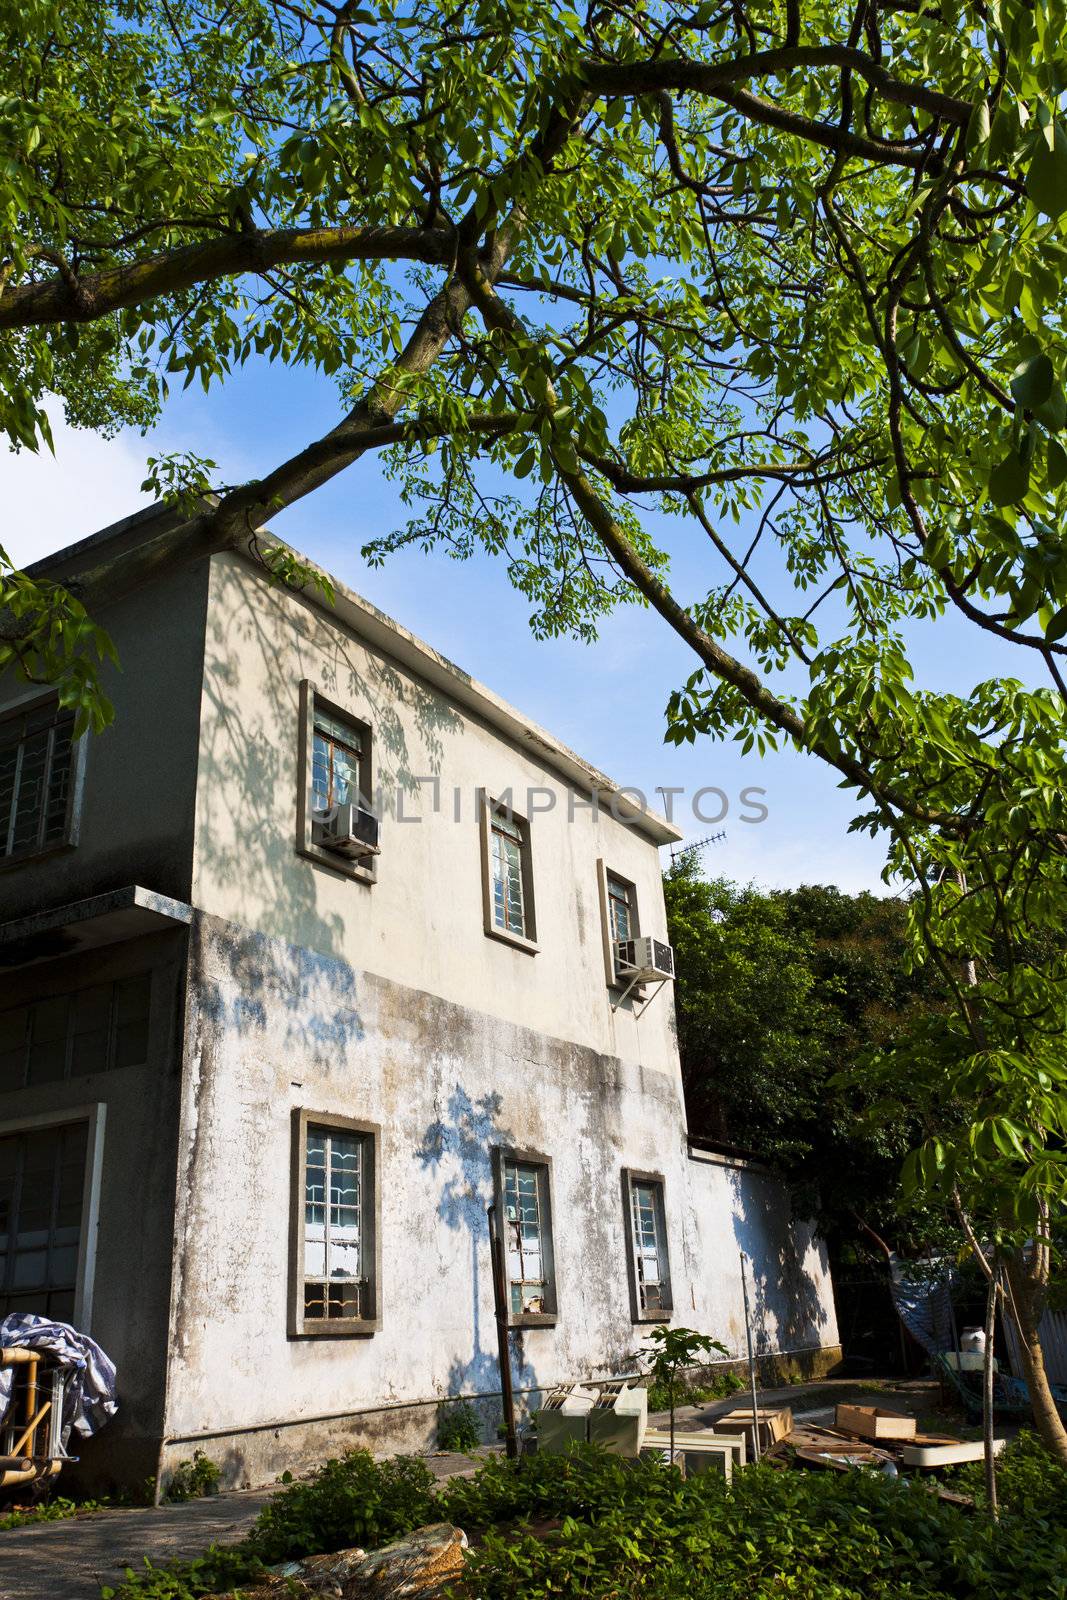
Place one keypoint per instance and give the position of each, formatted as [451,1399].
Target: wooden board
[871,1422]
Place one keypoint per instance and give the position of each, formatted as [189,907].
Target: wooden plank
[871,1422]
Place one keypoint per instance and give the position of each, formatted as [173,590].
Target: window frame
[299,1326]
[94,1115]
[502,1154]
[616,980]
[69,1074]
[69,837]
[488,807]
[312,699]
[638,1313]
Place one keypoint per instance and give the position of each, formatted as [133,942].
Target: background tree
[789,273]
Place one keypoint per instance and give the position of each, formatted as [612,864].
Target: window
[70,1035]
[618,906]
[336,763]
[524,1204]
[650,1279]
[42,1181]
[336,1226]
[36,780]
[335,767]
[507,875]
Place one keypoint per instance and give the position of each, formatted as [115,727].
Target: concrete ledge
[126,913]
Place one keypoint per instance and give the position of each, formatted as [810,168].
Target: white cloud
[52,501]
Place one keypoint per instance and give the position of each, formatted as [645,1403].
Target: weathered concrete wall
[273,1027]
[133,1247]
[140,773]
[421,924]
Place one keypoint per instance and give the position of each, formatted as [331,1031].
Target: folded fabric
[89,1400]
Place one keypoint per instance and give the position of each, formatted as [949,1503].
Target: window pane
[506,868]
[42,1176]
[333,1207]
[524,1238]
[89,1030]
[650,1258]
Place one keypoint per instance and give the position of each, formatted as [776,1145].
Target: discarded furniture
[933,1450]
[564,1418]
[773,1423]
[699,1452]
[619,1418]
[31,1437]
[871,1422]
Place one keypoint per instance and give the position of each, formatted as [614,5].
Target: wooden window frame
[75,787]
[543,1163]
[527,941]
[299,1326]
[664,1313]
[604,872]
[312,699]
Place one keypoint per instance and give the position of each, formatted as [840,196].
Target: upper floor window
[70,1035]
[335,1227]
[507,874]
[336,763]
[622,908]
[36,771]
[525,1204]
[336,825]
[42,1181]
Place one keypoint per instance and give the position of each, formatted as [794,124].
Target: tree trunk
[1028,1302]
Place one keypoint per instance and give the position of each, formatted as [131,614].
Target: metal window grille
[71,1035]
[336,764]
[509,910]
[36,756]
[646,1201]
[523,1211]
[335,1282]
[621,909]
[42,1177]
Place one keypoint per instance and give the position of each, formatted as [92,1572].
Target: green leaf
[1046,180]
[1057,464]
[1057,626]
[1032,384]
[1008,481]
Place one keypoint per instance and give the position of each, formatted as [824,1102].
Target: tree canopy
[782,279]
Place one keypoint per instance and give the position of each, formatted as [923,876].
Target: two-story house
[265,1060]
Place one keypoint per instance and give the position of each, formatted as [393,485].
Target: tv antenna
[697,845]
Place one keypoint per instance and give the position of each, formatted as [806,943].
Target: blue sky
[605,700]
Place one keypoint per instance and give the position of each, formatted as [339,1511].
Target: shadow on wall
[457,1146]
[788,1304]
[251,751]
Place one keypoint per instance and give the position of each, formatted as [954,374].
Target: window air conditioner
[349,830]
[641,960]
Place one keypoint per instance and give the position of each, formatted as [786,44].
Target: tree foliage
[783,278]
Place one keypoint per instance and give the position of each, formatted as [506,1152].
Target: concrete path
[70,1560]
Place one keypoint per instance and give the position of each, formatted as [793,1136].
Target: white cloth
[89,1400]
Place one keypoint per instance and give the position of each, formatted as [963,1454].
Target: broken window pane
[524,1215]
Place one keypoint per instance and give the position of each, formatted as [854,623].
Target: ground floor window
[42,1182]
[650,1268]
[335,1226]
[525,1205]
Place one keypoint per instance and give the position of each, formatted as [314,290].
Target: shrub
[1029,1481]
[191,1479]
[353,1501]
[457,1427]
[614,1530]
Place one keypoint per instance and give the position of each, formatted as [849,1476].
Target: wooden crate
[871,1422]
[775,1423]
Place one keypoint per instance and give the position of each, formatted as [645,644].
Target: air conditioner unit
[349,830]
[641,960]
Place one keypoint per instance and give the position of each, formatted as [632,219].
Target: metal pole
[500,1302]
[751,1361]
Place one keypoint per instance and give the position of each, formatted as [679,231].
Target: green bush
[457,1426]
[589,1526]
[718,1387]
[192,1479]
[1029,1482]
